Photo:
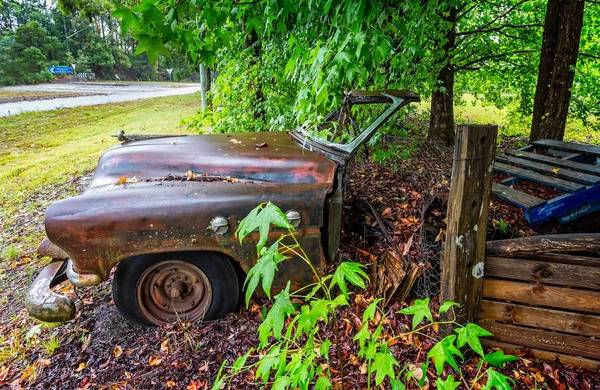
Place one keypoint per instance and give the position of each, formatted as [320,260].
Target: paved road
[107,93]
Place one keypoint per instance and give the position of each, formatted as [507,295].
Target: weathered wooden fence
[544,300]
[528,292]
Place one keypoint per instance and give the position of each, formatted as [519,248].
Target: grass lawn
[43,149]
[8,96]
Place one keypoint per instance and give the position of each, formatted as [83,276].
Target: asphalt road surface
[107,93]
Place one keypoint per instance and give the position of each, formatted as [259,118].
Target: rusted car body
[188,193]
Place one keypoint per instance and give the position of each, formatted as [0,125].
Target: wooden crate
[548,302]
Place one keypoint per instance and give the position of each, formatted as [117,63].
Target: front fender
[106,225]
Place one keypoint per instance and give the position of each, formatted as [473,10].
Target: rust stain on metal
[182,183]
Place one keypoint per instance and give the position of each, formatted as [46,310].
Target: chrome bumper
[43,303]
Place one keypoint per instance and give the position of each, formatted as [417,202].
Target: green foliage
[470,334]
[349,272]
[498,358]
[420,310]
[261,218]
[444,352]
[264,269]
[273,324]
[497,381]
[446,384]
[294,353]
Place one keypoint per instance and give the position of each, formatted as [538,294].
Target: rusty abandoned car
[164,209]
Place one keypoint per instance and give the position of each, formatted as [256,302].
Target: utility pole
[66,36]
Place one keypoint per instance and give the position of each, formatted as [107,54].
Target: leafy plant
[11,253]
[294,353]
[502,225]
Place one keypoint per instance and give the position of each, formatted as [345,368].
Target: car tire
[157,289]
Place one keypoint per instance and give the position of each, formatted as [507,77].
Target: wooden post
[468,205]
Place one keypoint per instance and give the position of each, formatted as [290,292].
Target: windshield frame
[395,98]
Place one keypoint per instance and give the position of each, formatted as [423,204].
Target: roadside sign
[60,69]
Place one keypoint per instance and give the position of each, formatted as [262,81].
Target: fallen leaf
[164,346]
[154,361]
[195,385]
[171,384]
[121,180]
[235,141]
[117,351]
[555,170]
[80,367]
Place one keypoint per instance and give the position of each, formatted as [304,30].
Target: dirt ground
[99,349]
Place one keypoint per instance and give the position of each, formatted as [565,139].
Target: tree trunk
[560,48]
[204,85]
[251,42]
[441,122]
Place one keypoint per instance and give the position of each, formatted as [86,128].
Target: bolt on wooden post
[468,205]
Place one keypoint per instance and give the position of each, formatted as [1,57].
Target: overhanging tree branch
[493,56]
[497,29]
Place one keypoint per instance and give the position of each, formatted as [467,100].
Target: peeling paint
[459,241]
[478,270]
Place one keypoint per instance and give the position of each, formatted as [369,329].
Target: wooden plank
[537,317]
[555,182]
[513,196]
[550,170]
[557,162]
[532,245]
[574,361]
[568,147]
[542,339]
[469,199]
[564,258]
[543,272]
[541,295]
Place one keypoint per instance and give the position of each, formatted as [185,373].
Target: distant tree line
[33,36]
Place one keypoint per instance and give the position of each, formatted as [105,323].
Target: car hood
[261,157]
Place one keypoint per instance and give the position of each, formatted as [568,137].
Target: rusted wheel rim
[173,290]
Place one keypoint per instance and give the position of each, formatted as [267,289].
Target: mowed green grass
[43,148]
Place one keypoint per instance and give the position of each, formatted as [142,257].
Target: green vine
[294,353]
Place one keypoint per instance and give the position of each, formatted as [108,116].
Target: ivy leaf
[261,218]
[383,365]
[323,383]
[397,384]
[369,313]
[273,323]
[362,335]
[470,334]
[444,352]
[152,45]
[498,358]
[446,306]
[420,310]
[448,384]
[265,268]
[351,272]
[497,381]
